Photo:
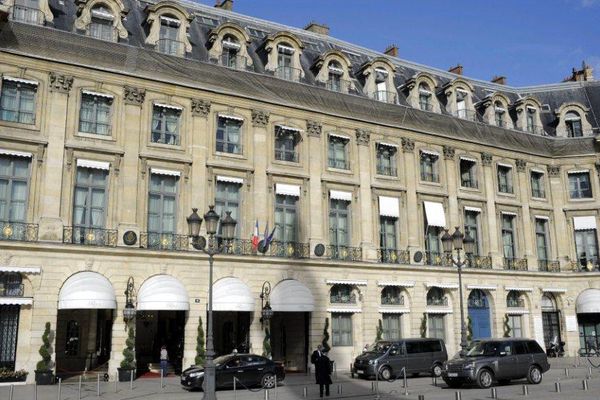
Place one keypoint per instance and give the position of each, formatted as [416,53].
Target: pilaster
[260,190]
[411,171]
[452,185]
[315,166]
[558,193]
[366,208]
[490,194]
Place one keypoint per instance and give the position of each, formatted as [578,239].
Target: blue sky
[528,41]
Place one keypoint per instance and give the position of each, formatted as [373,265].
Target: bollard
[131,380]
[276,391]
[304,392]
[161,379]
[116,382]
[557,387]
[590,372]
[339,389]
[584,384]
[266,394]
[421,397]
[98,386]
[59,388]
[35,391]
[404,381]
[435,381]
[334,370]
[525,390]
[566,371]
[10,392]
[372,386]
[493,393]
[79,390]
[457,396]
[234,388]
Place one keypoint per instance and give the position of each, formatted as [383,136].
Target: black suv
[497,360]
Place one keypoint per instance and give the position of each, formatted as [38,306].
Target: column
[411,170]
[558,193]
[260,189]
[199,142]
[365,196]
[490,194]
[528,237]
[452,188]
[315,168]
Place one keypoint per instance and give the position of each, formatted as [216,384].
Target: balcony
[477,303]
[338,85]
[591,264]
[339,164]
[386,170]
[480,262]
[345,253]
[515,264]
[426,106]
[538,194]
[243,247]
[535,129]
[466,114]
[515,303]
[548,266]
[392,256]
[288,73]
[437,259]
[11,290]
[233,61]
[164,241]
[90,236]
[437,301]
[343,298]
[170,46]
[18,231]
[286,155]
[392,301]
[385,96]
[28,15]
[429,177]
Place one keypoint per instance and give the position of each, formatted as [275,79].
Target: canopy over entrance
[588,302]
[87,290]
[162,292]
[231,294]
[291,295]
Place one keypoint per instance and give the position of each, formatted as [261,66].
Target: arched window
[285,68]
[477,299]
[342,294]
[334,77]
[461,103]
[500,114]
[391,295]
[101,25]
[230,56]
[548,302]
[436,297]
[531,119]
[513,299]
[168,34]
[573,124]
[11,284]
[425,95]
[72,338]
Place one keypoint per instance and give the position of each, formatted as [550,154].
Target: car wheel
[454,384]
[503,381]
[268,381]
[385,373]
[534,376]
[436,370]
[485,379]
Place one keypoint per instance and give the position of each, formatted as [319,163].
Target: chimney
[584,74]
[458,69]
[224,4]
[391,50]
[500,80]
[315,27]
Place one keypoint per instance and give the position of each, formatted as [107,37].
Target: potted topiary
[200,350]
[325,341]
[43,371]
[128,363]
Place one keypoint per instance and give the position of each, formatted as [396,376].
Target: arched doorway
[479,314]
[550,320]
[588,317]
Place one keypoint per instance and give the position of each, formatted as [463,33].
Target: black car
[499,360]
[249,369]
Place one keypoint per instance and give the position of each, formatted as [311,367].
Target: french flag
[255,237]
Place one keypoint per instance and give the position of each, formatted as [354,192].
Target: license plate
[360,371]
[452,374]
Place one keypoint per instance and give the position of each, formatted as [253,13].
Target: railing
[339,85]
[468,183]
[515,264]
[535,129]
[386,170]
[288,73]
[283,155]
[466,114]
[505,188]
[590,264]
[501,123]
[228,147]
[343,298]
[385,96]
[28,15]
[548,266]
[515,303]
[439,259]
[243,247]
[425,106]
[391,256]
[481,262]
[477,303]
[235,62]
[339,164]
[429,177]
[437,301]
[392,301]
[164,241]
[580,193]
[11,290]
[90,236]
[343,253]
[170,46]
[18,231]
[538,193]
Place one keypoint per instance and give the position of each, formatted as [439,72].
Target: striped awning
[346,282]
[396,283]
[97,94]
[22,270]
[159,171]
[442,285]
[340,195]
[103,165]
[394,310]
[20,80]
[287,190]
[482,287]
[169,106]
[518,289]
[444,310]
[389,207]
[16,301]
[344,310]
[15,153]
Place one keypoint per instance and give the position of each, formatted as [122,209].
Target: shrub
[424,326]
[8,375]
[200,350]
[379,331]
[267,344]
[128,354]
[507,328]
[46,362]
[325,340]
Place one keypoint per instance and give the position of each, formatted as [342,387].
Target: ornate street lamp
[129,310]
[210,246]
[267,311]
[456,241]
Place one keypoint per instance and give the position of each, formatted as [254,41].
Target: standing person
[164,360]
[322,370]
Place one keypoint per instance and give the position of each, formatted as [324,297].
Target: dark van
[390,356]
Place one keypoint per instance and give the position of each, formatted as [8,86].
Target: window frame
[337,212]
[224,144]
[504,174]
[10,184]
[163,118]
[223,204]
[285,208]
[429,162]
[467,226]
[384,222]
[337,332]
[90,187]
[19,88]
[162,195]
[508,230]
[386,161]
[576,192]
[95,111]
[472,182]
[538,189]
[541,232]
[387,331]
[283,136]
[333,151]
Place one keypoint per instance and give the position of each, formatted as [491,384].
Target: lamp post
[456,242]
[266,310]
[129,310]
[210,247]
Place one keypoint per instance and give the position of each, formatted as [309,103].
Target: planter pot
[5,380]
[44,377]
[125,374]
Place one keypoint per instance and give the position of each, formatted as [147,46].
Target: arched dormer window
[459,100]
[425,95]
[572,121]
[169,24]
[332,69]
[514,300]
[436,297]
[229,46]
[342,294]
[101,19]
[378,76]
[421,92]
[528,115]
[500,114]
[284,50]
[392,295]
[496,111]
[29,11]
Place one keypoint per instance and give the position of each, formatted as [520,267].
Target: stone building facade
[116,118]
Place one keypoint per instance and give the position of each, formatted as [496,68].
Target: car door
[254,368]
[395,357]
[414,356]
[507,361]
[233,368]
[524,358]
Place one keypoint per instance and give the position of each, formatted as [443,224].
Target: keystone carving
[449,152]
[521,164]
[260,118]
[133,95]
[408,145]
[313,128]
[60,83]
[200,107]
[486,159]
[362,137]
[554,170]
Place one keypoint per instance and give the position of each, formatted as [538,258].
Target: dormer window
[461,103]
[230,56]
[169,32]
[381,93]
[500,114]
[425,95]
[284,62]
[17,100]
[27,11]
[386,159]
[334,80]
[573,124]
[530,119]
[101,25]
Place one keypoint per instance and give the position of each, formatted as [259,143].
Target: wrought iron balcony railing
[386,170]
[90,236]
[170,46]
[338,85]
[589,264]
[339,164]
[429,177]
[11,290]
[392,256]
[538,193]
[18,231]
[548,266]
[469,183]
[343,298]
[437,259]
[234,61]
[466,114]
[28,15]
[482,262]
[346,253]
[502,188]
[385,96]
[477,303]
[515,264]
[437,301]
[392,301]
[286,155]
[164,241]
[515,303]
[288,73]
[243,247]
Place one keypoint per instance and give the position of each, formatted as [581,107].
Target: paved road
[149,389]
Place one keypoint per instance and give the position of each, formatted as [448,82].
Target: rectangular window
[391,326]
[162,204]
[574,128]
[386,160]
[429,167]
[14,180]
[27,11]
[382,94]
[505,184]
[514,321]
[338,152]
[508,236]
[579,185]
[537,185]
[165,125]
[228,198]
[94,115]
[286,218]
[472,226]
[586,243]
[229,135]
[167,42]
[17,102]
[432,244]
[101,26]
[339,223]
[89,204]
[435,326]
[341,328]
[286,141]
[388,233]
[541,240]
[468,173]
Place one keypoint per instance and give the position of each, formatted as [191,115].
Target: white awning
[468,159]
[381,71]
[103,165]
[96,94]
[16,153]
[508,213]
[474,209]
[228,44]
[540,171]
[387,144]
[554,290]
[169,106]
[434,212]
[344,310]
[339,195]
[463,91]
[22,270]
[291,295]
[102,14]
[584,223]
[579,171]
[232,117]
[518,289]
[588,302]
[516,311]
[482,287]
[442,285]
[544,217]
[230,179]
[335,70]
[393,310]
[285,49]
[396,283]
[87,290]
[162,292]
[389,207]
[505,165]
[346,282]
[288,128]
[335,135]
[287,190]
[16,301]
[159,171]
[170,20]
[231,294]
[20,80]
[500,109]
[430,153]
[425,92]
[438,310]
[531,109]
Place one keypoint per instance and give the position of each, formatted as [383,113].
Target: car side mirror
[502,353]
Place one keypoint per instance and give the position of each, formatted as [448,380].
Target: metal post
[10,392]
[566,371]
[525,390]
[59,388]
[209,365]
[116,382]
[98,386]
[493,393]
[557,387]
[234,388]
[35,391]
[457,396]
[79,388]
[463,326]
[421,397]
[161,379]
[351,371]
[131,380]
[372,386]
[584,384]
[339,389]
[377,396]
[405,383]
[266,394]
[589,371]
[334,370]
[304,392]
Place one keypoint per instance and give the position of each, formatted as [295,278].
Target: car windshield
[483,349]
[222,360]
[379,347]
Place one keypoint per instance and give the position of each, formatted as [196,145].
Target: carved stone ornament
[486,159]
[554,170]
[260,118]
[521,164]
[60,83]
[362,137]
[313,128]
[408,145]
[449,152]
[200,107]
[133,95]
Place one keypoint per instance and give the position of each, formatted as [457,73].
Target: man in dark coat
[322,370]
